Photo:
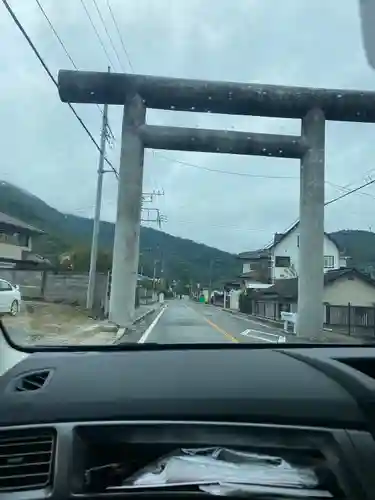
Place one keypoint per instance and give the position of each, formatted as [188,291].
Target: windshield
[187,172]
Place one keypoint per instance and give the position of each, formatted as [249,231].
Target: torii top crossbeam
[216,97]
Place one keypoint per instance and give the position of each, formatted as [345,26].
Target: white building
[281,260]
[16,243]
[284,255]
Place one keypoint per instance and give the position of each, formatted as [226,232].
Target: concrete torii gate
[139,92]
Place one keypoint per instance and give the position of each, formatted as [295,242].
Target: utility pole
[154,273]
[210,283]
[211,267]
[98,203]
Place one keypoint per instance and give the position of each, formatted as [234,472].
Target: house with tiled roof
[348,298]
[16,239]
[280,260]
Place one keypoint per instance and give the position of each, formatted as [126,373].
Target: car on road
[10,298]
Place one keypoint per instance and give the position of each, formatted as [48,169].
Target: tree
[78,260]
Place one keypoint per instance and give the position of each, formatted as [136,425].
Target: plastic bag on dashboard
[223,465]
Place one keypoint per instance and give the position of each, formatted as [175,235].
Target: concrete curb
[121,332]
[99,327]
[145,314]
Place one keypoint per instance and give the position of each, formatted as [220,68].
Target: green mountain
[180,259]
[359,246]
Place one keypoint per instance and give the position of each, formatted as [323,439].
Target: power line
[349,192]
[56,34]
[244,174]
[225,226]
[97,33]
[108,34]
[65,49]
[120,36]
[227,172]
[330,202]
[42,62]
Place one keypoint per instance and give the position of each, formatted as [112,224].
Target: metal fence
[348,319]
[351,318]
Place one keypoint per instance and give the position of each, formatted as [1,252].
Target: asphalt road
[186,321]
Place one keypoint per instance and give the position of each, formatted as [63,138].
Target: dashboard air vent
[26,460]
[32,381]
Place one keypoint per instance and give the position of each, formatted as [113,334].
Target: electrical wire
[327,203]
[108,34]
[244,174]
[97,33]
[227,172]
[56,34]
[348,193]
[120,36]
[66,52]
[48,71]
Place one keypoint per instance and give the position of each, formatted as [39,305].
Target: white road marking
[260,323]
[250,333]
[144,337]
[261,338]
[263,333]
[249,320]
[120,333]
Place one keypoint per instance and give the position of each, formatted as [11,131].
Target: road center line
[214,325]
[144,337]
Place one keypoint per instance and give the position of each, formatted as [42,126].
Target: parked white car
[10,298]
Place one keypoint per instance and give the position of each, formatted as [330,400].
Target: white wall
[355,291]
[8,251]
[288,247]
[234,300]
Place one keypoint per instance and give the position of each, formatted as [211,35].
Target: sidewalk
[329,336]
[54,325]
[105,332]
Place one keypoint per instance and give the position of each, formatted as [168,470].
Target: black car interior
[80,424]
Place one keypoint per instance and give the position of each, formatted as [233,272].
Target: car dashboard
[77,424]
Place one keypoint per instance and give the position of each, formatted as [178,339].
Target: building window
[281,261]
[329,261]
[246,267]
[23,240]
[3,237]
[17,239]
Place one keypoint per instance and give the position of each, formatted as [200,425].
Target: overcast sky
[288,42]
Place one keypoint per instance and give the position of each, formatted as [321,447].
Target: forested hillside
[179,258]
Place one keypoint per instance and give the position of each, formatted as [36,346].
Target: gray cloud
[289,42]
